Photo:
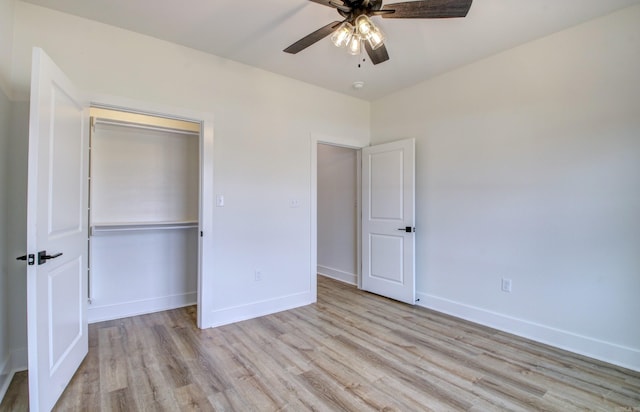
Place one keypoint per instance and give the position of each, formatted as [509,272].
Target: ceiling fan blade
[427,9]
[310,39]
[336,4]
[378,55]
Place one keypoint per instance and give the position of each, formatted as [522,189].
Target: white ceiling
[256,31]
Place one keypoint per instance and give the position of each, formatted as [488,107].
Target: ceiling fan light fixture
[343,34]
[360,29]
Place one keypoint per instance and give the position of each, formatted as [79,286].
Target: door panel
[388,196]
[57,226]
[65,306]
[66,185]
[387,177]
[384,262]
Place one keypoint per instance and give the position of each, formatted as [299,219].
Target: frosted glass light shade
[375,38]
[364,26]
[343,34]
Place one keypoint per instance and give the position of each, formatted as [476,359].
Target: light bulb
[354,44]
[342,35]
[364,25]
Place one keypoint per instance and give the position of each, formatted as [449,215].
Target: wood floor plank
[113,361]
[172,364]
[229,400]
[155,402]
[192,398]
[360,386]
[199,361]
[119,400]
[350,351]
[330,393]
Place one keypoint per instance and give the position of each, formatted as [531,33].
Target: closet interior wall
[143,217]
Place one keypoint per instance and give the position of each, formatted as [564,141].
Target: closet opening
[338,212]
[144,209]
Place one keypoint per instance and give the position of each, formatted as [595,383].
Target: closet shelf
[141,226]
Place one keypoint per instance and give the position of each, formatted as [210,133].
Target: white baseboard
[229,315]
[15,362]
[102,313]
[583,345]
[336,274]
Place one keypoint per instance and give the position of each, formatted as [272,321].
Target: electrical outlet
[258,275]
[506,285]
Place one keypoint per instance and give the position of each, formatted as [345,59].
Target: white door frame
[342,142]
[206,190]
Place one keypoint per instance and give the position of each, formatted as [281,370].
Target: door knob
[43,257]
[407,229]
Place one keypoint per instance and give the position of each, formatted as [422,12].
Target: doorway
[338,205]
[386,187]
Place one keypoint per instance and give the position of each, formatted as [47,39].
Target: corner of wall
[5,88]
[6,374]
[336,274]
[15,362]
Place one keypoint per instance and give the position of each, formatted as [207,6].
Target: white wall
[262,128]
[5,362]
[6,39]
[16,230]
[528,168]
[337,205]
[6,44]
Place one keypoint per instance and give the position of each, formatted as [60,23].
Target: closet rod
[117,227]
[144,126]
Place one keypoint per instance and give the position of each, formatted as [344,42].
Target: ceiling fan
[357,29]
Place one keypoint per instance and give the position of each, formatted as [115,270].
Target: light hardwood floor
[351,351]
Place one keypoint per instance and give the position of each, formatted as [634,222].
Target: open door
[56,233]
[388,204]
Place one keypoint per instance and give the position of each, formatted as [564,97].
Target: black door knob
[43,257]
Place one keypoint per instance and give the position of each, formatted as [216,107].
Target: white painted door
[56,226]
[388,203]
